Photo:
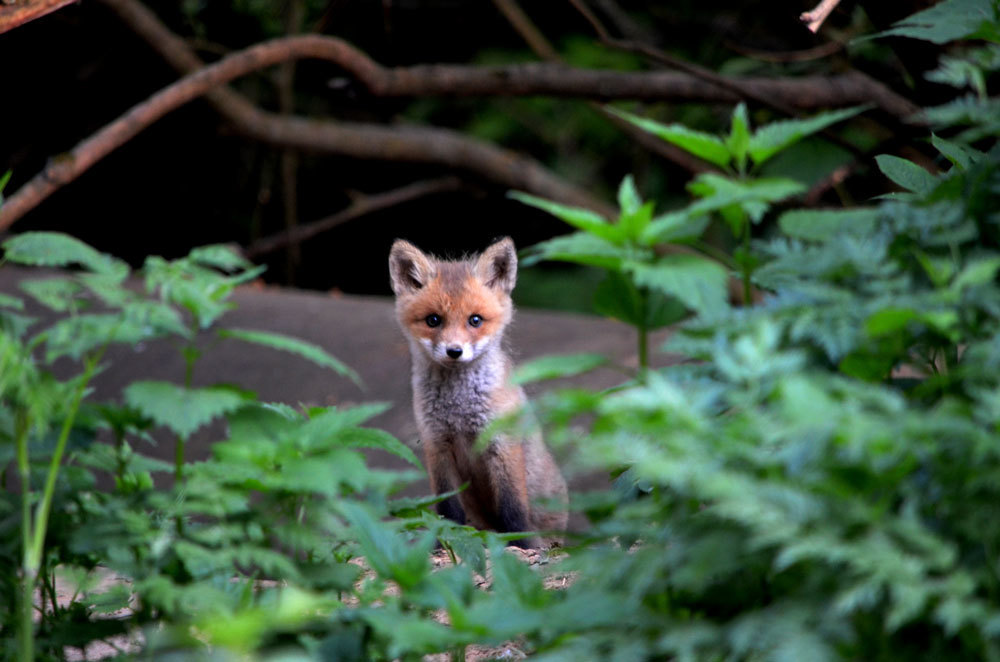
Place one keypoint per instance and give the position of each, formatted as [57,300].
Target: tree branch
[11,16]
[365,205]
[419,145]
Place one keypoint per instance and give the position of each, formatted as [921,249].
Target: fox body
[454,314]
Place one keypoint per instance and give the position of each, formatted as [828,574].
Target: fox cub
[454,314]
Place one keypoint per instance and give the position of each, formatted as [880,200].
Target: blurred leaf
[59,294]
[306,350]
[697,282]
[554,367]
[675,228]
[738,142]
[221,257]
[823,224]
[962,156]
[906,173]
[54,249]
[628,197]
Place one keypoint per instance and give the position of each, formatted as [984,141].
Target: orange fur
[454,313]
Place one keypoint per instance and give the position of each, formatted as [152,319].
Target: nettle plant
[823,482]
[286,496]
[658,269]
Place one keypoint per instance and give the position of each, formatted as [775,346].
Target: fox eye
[433,320]
[475,320]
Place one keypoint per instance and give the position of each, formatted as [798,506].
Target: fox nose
[454,352]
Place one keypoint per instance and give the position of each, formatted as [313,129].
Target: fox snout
[451,351]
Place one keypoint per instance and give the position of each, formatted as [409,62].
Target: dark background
[189,179]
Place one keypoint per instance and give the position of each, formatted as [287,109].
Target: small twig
[363,206]
[527,29]
[543,49]
[805,55]
[814,19]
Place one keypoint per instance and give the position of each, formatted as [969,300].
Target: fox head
[453,310]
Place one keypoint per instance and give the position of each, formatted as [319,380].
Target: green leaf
[703,145]
[753,196]
[180,409]
[553,367]
[4,178]
[57,294]
[581,219]
[698,283]
[635,215]
[906,173]
[949,21]
[581,248]
[380,439]
[54,249]
[221,257]
[962,156]
[8,301]
[306,350]
[388,553]
[824,224]
[889,320]
[772,138]
[676,227]
[77,335]
[977,272]
[628,197]
[738,142]
[617,297]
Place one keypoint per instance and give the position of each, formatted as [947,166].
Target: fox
[453,314]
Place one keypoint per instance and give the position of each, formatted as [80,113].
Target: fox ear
[497,266]
[409,268]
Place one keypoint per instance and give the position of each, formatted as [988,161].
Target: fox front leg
[444,478]
[512,512]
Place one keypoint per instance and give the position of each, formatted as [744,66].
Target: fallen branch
[361,207]
[12,16]
[418,145]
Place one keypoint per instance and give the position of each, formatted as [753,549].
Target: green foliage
[4,178]
[552,367]
[951,20]
[819,482]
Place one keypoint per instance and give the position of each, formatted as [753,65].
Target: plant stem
[179,461]
[42,512]
[643,330]
[747,289]
[25,634]
[643,351]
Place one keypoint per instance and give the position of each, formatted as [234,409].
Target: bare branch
[527,29]
[814,19]
[418,145]
[365,205]
[12,16]
[543,49]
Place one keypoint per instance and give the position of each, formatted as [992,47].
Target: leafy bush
[822,483]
